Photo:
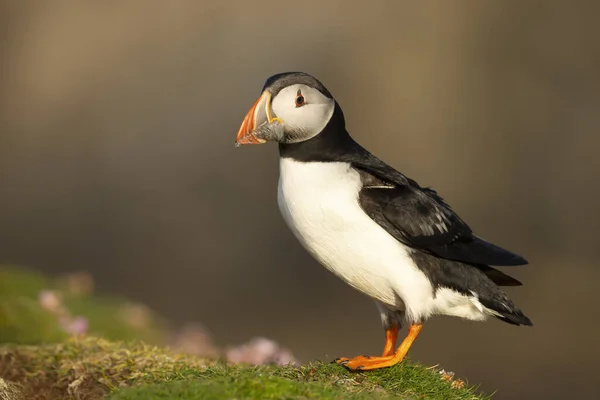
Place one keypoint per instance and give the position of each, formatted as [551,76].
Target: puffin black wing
[419,218]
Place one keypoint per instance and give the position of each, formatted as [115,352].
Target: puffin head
[293,107]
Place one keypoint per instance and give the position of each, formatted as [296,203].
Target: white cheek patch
[307,121]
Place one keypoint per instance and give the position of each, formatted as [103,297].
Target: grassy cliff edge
[92,368]
[60,340]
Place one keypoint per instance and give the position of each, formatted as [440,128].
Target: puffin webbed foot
[389,358]
[365,363]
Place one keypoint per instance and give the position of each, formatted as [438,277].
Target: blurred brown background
[117,123]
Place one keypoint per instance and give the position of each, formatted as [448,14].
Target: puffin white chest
[319,202]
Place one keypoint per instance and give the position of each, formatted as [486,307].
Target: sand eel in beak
[370,225]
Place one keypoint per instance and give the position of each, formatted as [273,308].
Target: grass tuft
[90,367]
[10,391]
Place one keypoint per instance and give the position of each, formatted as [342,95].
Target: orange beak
[258,114]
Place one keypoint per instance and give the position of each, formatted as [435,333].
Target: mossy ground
[90,368]
[39,361]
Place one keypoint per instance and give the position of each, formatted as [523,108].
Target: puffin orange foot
[365,363]
[346,360]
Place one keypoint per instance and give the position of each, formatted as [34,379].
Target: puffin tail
[507,313]
[515,318]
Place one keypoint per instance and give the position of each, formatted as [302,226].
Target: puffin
[373,227]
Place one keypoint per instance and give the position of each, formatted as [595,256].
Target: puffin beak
[258,114]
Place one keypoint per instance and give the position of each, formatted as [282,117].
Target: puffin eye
[299,99]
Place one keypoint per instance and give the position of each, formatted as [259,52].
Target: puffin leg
[362,363]
[391,334]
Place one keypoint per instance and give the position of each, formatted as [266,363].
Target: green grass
[40,361]
[254,386]
[90,368]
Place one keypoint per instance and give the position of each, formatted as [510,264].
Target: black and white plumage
[370,225]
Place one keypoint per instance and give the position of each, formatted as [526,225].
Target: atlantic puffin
[378,230]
